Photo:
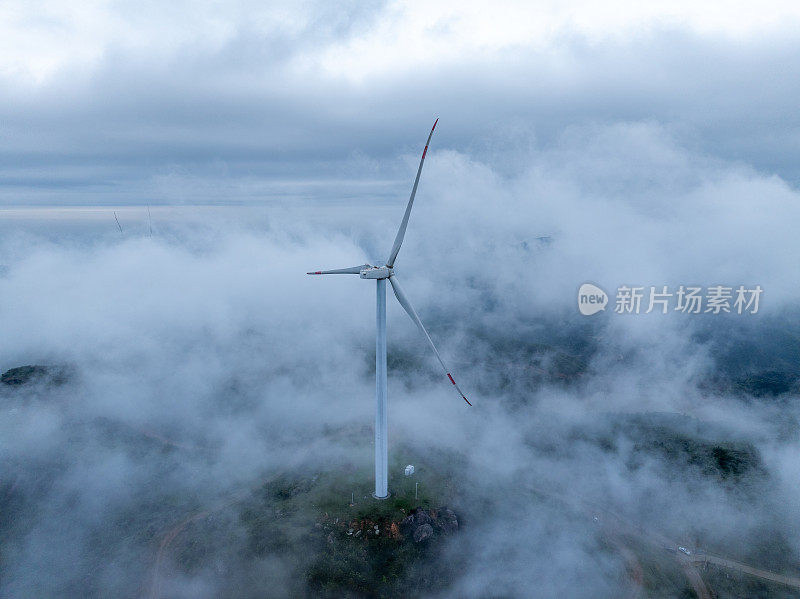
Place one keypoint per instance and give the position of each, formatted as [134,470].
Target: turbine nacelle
[376,272]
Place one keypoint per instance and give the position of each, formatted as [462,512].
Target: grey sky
[119,103]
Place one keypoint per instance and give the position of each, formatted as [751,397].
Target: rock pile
[422,525]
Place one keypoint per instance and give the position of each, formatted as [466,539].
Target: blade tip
[434,124]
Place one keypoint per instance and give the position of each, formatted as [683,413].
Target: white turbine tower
[380,274]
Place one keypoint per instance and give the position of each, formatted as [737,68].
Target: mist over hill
[189,368]
[184,413]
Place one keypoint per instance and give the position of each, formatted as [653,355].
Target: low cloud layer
[239,148]
[204,359]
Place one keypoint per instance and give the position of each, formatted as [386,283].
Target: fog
[191,363]
[202,360]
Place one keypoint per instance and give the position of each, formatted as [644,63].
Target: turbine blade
[401,297]
[398,240]
[353,270]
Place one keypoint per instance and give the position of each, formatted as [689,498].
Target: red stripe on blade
[451,378]
[425,151]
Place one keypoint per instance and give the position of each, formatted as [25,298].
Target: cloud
[206,358]
[240,103]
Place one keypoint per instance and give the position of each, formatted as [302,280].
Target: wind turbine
[380,274]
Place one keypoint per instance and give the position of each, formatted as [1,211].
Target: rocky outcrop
[423,533]
[447,521]
[421,525]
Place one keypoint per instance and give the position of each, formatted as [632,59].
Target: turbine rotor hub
[376,272]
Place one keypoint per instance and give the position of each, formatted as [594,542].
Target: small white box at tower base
[409,470]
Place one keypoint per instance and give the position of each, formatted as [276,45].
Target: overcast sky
[146,102]
[643,144]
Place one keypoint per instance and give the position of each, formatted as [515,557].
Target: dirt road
[789,581]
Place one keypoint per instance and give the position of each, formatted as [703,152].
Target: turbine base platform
[381,498]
